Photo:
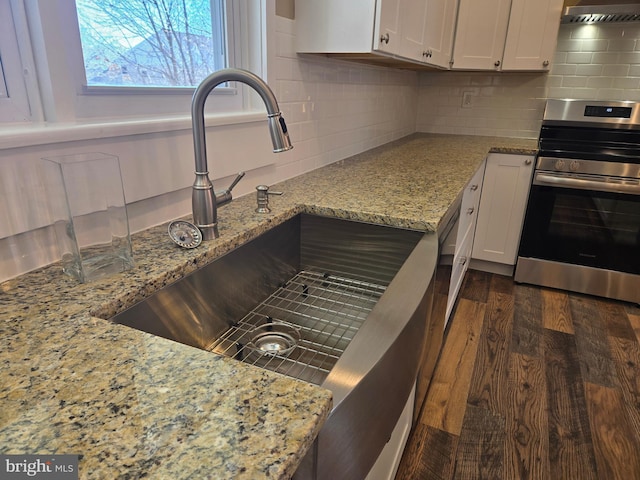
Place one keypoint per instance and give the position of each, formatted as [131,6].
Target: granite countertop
[135,405]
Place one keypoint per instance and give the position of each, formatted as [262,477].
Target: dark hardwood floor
[531,383]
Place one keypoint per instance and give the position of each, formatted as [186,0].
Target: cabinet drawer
[459,267]
[469,206]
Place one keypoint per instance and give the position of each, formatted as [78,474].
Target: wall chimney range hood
[601,11]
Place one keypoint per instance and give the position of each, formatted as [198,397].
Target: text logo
[49,467]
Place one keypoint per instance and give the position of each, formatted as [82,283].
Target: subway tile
[588,70]
[579,57]
[610,94]
[600,82]
[570,45]
[628,83]
[629,57]
[585,31]
[564,69]
[615,70]
[621,45]
[574,82]
[606,58]
[594,45]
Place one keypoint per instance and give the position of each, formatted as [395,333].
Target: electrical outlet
[467,99]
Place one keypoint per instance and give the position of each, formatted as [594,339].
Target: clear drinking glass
[89,213]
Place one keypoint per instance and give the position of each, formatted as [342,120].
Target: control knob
[574,166]
[559,165]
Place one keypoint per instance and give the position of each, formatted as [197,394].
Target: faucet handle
[262,197]
[225,196]
[235,181]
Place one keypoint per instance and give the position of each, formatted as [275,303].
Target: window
[173,43]
[109,61]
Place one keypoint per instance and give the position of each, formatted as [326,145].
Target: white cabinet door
[439,27]
[419,30]
[532,34]
[414,29]
[502,205]
[480,34]
[387,37]
[427,30]
[335,26]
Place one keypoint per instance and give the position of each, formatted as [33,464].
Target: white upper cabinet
[440,26]
[480,34]
[489,34]
[388,20]
[427,30]
[506,35]
[532,35]
[419,31]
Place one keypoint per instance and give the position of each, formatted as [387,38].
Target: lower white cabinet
[487,233]
[503,201]
[464,234]
[388,461]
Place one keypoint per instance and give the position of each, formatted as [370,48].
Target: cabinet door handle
[384,38]
[497,63]
[545,63]
[473,187]
[527,161]
[470,211]
[463,260]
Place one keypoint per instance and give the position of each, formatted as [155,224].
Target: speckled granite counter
[135,405]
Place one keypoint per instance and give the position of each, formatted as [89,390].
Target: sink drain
[274,339]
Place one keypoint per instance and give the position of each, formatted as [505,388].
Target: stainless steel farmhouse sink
[336,303]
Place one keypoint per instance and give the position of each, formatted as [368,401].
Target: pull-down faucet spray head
[205,201]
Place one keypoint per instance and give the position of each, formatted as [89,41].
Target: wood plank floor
[531,383]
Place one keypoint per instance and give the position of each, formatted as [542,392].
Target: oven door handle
[600,184]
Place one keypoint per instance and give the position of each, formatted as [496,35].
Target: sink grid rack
[325,309]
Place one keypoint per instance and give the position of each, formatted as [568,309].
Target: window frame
[14,101]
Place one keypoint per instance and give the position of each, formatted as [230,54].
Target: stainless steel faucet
[205,201]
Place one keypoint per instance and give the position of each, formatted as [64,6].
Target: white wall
[333,110]
[591,62]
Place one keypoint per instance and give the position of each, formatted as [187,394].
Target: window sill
[44,134]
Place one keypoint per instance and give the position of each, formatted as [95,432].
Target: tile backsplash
[597,62]
[591,62]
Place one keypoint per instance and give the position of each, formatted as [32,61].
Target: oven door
[582,233]
[583,220]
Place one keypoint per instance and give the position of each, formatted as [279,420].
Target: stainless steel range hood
[601,11]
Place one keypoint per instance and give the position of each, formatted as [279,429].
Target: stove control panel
[607,111]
